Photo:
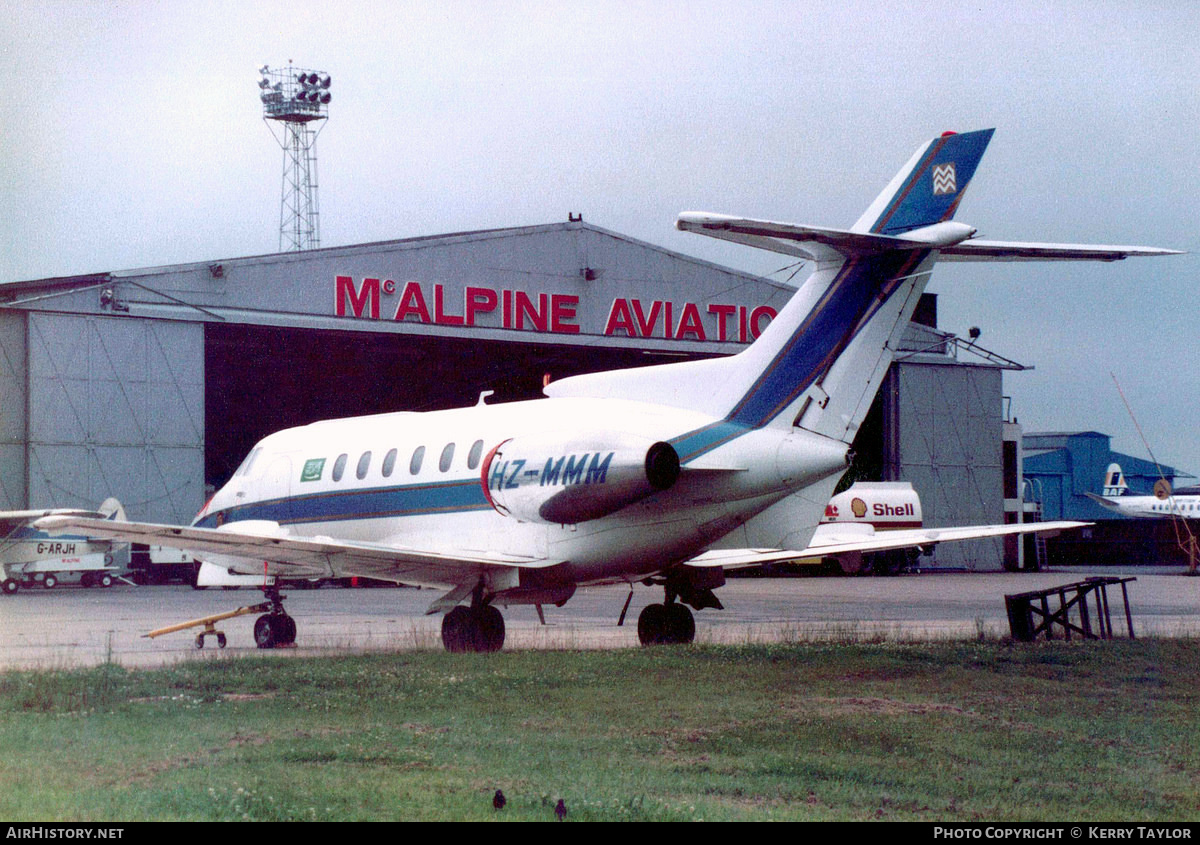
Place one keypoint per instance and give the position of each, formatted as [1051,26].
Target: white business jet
[661,475]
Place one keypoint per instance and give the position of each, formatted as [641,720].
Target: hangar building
[152,384]
[1060,468]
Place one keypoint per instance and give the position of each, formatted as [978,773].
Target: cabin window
[447,457]
[364,463]
[389,463]
[475,454]
[414,466]
[339,467]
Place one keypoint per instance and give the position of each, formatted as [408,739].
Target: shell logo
[859,507]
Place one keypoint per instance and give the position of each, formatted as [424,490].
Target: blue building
[1061,467]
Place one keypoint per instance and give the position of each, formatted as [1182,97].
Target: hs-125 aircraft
[662,475]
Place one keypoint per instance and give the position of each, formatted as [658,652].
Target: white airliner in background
[1164,503]
[662,475]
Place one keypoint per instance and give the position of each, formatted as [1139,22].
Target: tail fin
[1114,481]
[820,362]
[929,188]
[111,508]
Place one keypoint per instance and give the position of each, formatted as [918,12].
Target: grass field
[950,731]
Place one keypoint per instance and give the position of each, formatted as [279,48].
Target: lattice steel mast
[294,99]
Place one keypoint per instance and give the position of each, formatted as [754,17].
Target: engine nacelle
[568,479]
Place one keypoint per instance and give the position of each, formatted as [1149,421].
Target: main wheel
[489,629]
[458,628]
[652,625]
[681,625]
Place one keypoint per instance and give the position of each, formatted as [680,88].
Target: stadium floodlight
[295,101]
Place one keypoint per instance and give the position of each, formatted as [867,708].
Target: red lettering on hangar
[556,313]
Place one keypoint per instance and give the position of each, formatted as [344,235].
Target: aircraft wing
[833,539]
[263,549]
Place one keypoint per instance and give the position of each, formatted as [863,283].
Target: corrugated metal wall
[13,410]
[116,408]
[949,438]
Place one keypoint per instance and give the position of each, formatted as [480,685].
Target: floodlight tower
[294,100]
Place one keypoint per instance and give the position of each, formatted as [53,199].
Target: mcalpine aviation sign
[546,312]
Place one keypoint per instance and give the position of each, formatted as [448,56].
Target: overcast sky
[132,136]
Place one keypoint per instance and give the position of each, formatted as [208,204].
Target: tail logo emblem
[944,181]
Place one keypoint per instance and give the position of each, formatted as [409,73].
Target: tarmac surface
[71,626]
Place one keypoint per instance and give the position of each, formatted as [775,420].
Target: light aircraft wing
[262,549]
[32,515]
[833,539]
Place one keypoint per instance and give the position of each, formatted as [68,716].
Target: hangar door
[12,410]
[116,408]
[261,379]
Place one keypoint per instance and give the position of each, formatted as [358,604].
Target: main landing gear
[478,628]
[671,623]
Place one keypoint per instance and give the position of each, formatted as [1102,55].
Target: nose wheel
[274,629]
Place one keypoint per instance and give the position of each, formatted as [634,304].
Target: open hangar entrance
[260,379]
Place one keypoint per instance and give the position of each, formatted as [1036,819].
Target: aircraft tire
[10,586]
[652,625]
[489,625]
[680,624]
[266,631]
[457,628]
[287,631]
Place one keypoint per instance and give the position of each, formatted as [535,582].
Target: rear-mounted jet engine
[570,479]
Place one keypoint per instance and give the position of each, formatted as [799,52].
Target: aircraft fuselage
[533,479]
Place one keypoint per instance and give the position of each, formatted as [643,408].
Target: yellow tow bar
[209,623]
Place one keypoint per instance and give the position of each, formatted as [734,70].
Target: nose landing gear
[274,629]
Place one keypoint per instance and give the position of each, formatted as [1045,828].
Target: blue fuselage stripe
[859,289]
[372,503]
